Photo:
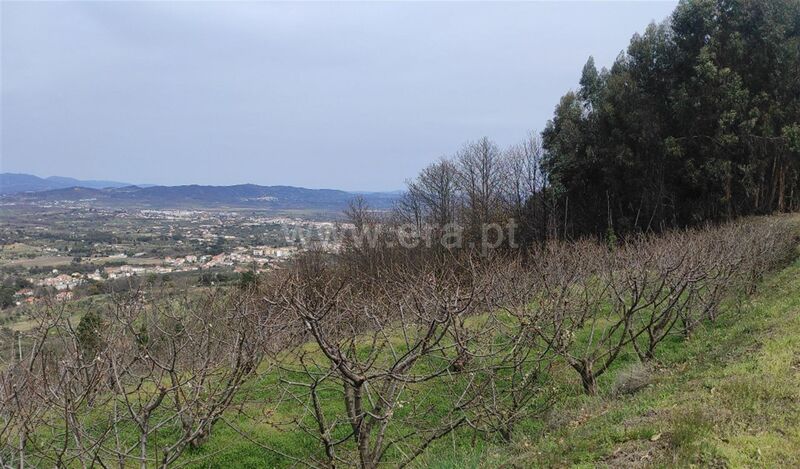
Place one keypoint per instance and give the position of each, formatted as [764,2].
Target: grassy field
[728,396]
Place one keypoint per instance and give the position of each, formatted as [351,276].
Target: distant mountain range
[28,188]
[11,183]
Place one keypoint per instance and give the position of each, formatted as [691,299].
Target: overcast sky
[355,96]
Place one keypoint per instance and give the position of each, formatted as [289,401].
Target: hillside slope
[727,397]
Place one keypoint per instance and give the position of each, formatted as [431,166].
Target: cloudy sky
[354,96]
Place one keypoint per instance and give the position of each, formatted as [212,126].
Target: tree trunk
[782,188]
[589,382]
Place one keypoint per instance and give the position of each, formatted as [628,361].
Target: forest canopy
[697,120]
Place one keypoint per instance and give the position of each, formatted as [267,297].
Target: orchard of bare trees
[368,357]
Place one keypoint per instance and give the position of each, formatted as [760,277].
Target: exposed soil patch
[636,453]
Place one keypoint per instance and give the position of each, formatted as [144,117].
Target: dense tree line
[698,120]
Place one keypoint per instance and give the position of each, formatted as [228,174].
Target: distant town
[65,250]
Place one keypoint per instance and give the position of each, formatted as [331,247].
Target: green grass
[728,396]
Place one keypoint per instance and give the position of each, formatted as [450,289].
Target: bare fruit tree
[378,344]
[151,377]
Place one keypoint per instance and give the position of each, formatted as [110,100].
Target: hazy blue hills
[187,196]
[11,183]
